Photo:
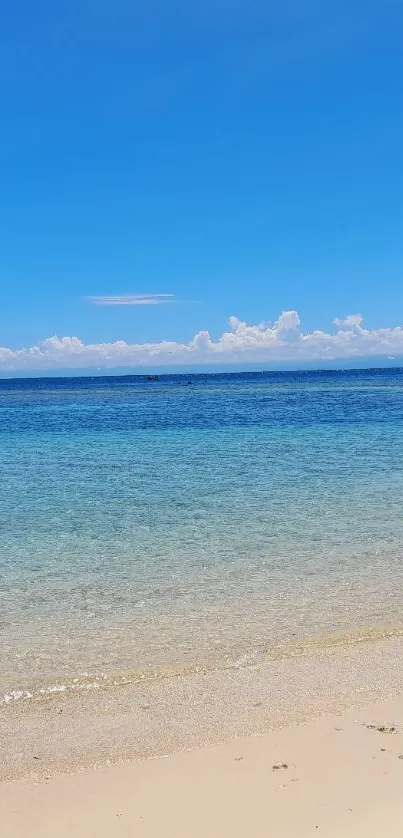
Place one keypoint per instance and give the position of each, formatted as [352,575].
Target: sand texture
[336,776]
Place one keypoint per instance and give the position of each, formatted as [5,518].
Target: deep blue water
[194,518]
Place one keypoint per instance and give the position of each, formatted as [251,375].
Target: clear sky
[244,156]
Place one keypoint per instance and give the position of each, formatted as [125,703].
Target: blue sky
[244,157]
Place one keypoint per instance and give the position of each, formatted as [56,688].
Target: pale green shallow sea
[147,527]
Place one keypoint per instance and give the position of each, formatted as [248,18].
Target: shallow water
[147,527]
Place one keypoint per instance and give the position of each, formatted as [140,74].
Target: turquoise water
[147,526]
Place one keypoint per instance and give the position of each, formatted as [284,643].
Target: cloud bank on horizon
[282,341]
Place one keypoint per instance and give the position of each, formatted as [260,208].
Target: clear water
[146,526]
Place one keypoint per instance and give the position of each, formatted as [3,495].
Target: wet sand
[69,733]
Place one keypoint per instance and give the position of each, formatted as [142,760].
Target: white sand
[68,733]
[91,765]
[342,779]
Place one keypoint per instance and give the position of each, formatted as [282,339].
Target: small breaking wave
[22,695]
[16,695]
[238,659]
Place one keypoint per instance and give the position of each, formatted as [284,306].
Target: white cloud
[282,341]
[131,299]
[350,320]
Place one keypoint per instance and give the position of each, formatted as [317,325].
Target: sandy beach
[201,419]
[298,747]
[337,776]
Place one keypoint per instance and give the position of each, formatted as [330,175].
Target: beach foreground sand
[299,746]
[335,776]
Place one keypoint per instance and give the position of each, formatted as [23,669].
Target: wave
[240,659]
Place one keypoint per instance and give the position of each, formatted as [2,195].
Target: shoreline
[338,776]
[58,734]
[239,657]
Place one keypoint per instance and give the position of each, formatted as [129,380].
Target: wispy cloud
[132,299]
[263,343]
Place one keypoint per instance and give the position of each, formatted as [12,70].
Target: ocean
[194,522]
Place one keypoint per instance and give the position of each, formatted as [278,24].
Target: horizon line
[187,371]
